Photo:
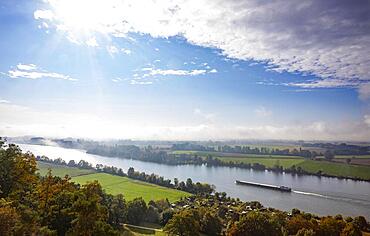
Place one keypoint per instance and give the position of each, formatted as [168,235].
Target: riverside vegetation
[296,161]
[31,204]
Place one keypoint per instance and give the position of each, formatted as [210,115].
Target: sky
[185,70]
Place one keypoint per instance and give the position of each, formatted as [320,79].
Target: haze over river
[322,196]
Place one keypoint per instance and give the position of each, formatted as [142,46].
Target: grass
[268,162]
[337,169]
[60,170]
[350,156]
[114,184]
[311,166]
[131,188]
[238,155]
[133,231]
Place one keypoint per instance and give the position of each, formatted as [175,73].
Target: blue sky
[143,70]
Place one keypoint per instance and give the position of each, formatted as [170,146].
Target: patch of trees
[342,148]
[147,154]
[221,215]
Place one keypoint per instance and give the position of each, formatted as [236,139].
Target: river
[319,195]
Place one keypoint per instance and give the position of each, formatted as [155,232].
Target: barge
[274,187]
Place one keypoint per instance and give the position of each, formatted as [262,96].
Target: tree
[211,224]
[329,226]
[152,215]
[117,213]
[252,224]
[91,214]
[189,185]
[166,215]
[361,222]
[183,223]
[351,230]
[131,172]
[329,155]
[55,198]
[17,171]
[136,210]
[305,232]
[298,222]
[8,219]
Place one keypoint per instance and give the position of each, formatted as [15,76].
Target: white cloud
[31,71]
[364,91]
[177,72]
[263,112]
[91,42]
[4,101]
[367,120]
[27,67]
[153,72]
[325,83]
[43,14]
[325,38]
[126,51]
[138,82]
[116,80]
[208,117]
[112,50]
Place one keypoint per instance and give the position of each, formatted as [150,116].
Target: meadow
[60,170]
[359,168]
[131,189]
[239,155]
[311,166]
[268,162]
[337,169]
[113,184]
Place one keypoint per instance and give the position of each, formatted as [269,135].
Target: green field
[238,155]
[60,170]
[115,184]
[350,156]
[311,166]
[338,169]
[268,162]
[131,188]
[137,231]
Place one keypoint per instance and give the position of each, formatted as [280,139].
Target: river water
[322,196]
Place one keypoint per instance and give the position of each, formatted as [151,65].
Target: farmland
[60,170]
[131,188]
[115,184]
[358,168]
[337,169]
[268,162]
[239,155]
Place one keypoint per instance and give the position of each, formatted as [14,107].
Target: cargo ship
[274,187]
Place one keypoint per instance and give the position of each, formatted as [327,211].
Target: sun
[84,17]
